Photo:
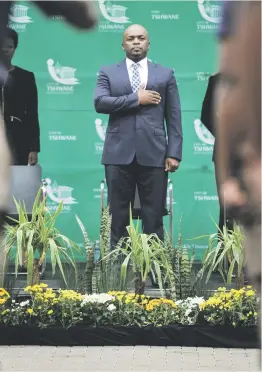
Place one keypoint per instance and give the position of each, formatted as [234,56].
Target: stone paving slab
[127,359]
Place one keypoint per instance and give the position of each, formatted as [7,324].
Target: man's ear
[123,47]
[148,45]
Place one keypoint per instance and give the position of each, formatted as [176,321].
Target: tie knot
[135,66]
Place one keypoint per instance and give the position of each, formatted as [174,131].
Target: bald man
[144,135]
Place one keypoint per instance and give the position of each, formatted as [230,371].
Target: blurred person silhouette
[19,104]
[208,118]
[238,128]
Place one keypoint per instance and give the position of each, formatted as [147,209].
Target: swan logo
[101,131]
[203,134]
[206,139]
[58,194]
[18,17]
[211,12]
[114,15]
[64,78]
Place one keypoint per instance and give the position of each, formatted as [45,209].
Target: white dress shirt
[143,70]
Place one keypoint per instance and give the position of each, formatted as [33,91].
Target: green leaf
[60,267]
[230,272]
[124,270]
[30,259]
[53,251]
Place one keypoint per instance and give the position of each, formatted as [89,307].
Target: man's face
[136,42]
[8,49]
[238,130]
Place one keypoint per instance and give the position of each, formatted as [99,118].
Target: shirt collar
[142,63]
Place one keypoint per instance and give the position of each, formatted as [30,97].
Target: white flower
[24,303]
[101,298]
[190,309]
[187,312]
[111,307]
[190,302]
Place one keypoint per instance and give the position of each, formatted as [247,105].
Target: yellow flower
[250,293]
[234,324]
[2,301]
[158,302]
[50,312]
[30,311]
[36,288]
[255,313]
[69,294]
[4,293]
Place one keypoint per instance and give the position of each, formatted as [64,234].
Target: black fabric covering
[176,335]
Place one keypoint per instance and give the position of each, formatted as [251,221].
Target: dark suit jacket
[207,113]
[135,129]
[19,103]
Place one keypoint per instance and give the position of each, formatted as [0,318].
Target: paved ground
[113,359]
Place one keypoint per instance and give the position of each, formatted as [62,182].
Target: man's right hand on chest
[148,97]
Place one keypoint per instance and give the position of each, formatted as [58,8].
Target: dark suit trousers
[152,186]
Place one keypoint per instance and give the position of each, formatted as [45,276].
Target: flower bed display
[65,317]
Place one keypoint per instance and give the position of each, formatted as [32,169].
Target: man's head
[239,124]
[9,45]
[136,42]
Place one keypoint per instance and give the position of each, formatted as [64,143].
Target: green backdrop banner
[66,63]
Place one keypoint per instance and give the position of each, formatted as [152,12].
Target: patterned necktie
[136,81]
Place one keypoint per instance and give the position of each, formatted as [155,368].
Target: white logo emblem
[202,76]
[204,196]
[203,133]
[113,13]
[210,12]
[60,74]
[19,14]
[59,136]
[59,194]
[100,129]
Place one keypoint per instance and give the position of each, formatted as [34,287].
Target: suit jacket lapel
[123,74]
[151,76]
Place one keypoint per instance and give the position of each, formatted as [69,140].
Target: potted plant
[226,246]
[35,238]
[144,254]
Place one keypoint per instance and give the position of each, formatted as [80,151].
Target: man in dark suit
[139,97]
[208,116]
